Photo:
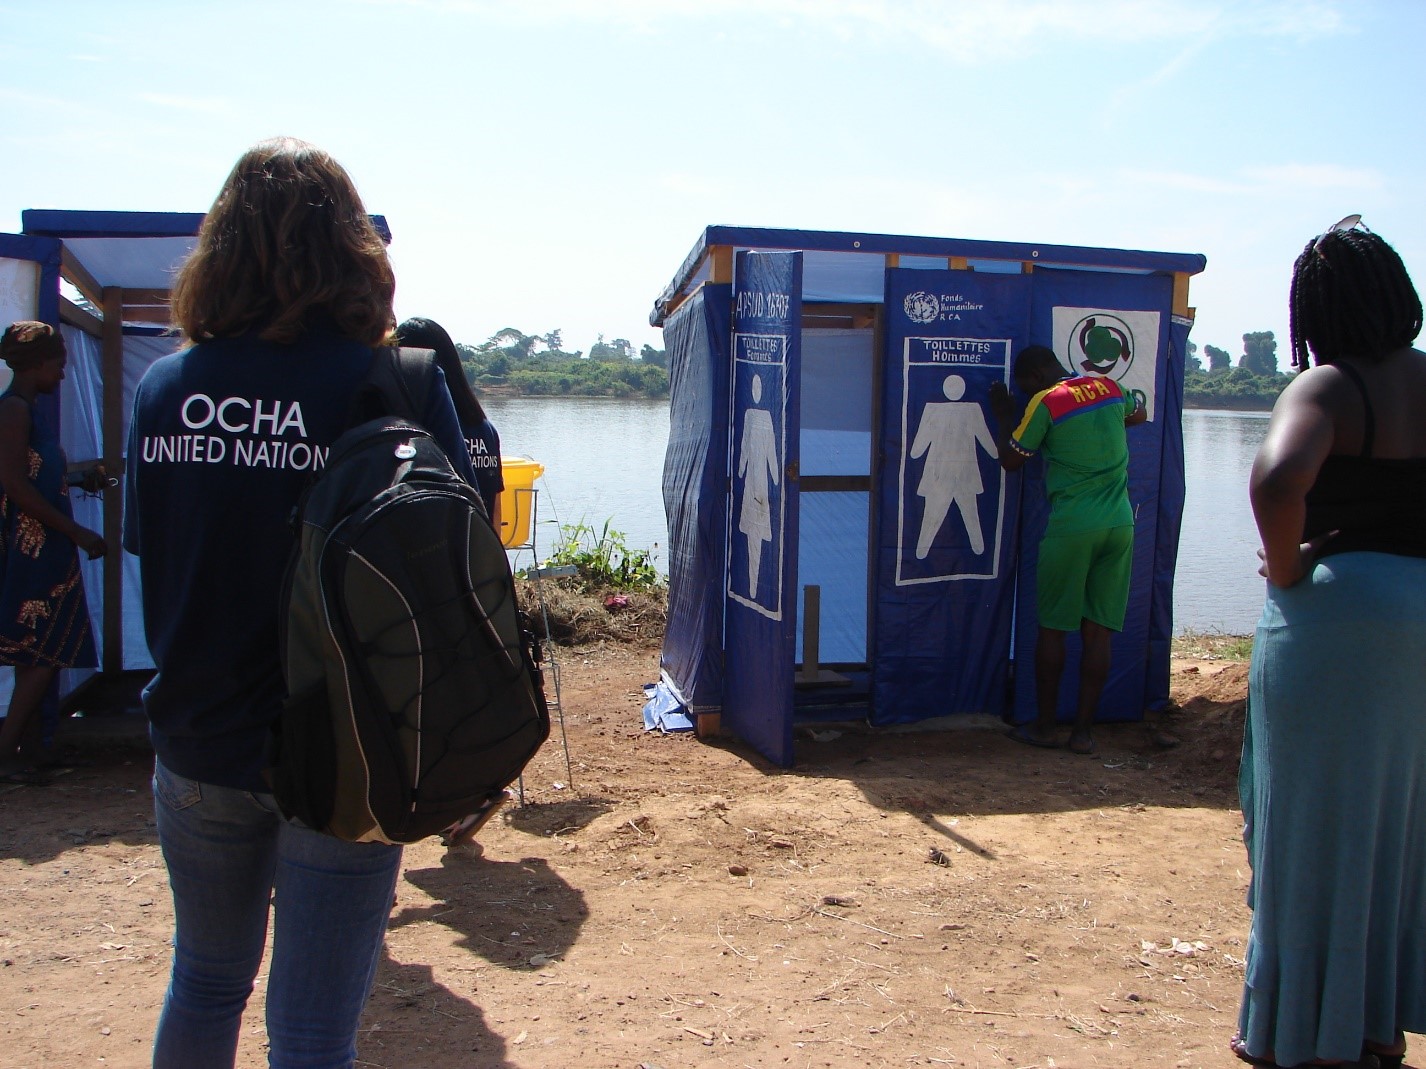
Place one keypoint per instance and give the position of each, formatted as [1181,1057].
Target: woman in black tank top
[1334,473]
[1334,753]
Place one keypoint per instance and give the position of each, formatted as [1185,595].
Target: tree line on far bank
[1254,382]
[538,365]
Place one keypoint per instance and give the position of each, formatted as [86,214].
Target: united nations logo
[1102,344]
[922,307]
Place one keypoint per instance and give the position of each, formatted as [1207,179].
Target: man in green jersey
[1077,423]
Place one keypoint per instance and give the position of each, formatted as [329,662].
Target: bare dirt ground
[948,899]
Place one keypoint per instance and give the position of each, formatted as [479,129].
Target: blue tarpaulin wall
[760,611]
[948,532]
[697,340]
[922,546]
[1172,490]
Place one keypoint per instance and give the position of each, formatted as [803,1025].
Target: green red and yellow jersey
[1078,426]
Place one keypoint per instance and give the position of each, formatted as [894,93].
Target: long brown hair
[286,244]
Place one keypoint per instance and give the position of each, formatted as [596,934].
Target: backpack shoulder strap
[400,381]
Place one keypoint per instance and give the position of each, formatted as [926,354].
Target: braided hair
[1351,296]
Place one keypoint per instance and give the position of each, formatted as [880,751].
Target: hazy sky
[548,163]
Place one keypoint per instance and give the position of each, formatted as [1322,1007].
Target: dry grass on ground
[577,617]
[1213,646]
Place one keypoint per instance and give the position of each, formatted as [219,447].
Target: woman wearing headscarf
[44,621]
[1334,759]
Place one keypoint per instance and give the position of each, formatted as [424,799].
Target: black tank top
[1371,503]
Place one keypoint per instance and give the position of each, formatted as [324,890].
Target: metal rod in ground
[538,573]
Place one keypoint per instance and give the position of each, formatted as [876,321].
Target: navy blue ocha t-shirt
[483,445]
[224,438]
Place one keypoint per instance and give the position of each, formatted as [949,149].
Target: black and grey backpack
[414,690]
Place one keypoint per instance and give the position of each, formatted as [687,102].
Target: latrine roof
[137,252]
[128,250]
[854,255]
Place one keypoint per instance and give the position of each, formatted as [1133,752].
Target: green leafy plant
[603,559]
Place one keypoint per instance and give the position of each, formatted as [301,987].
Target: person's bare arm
[15,477]
[1298,441]
[1002,407]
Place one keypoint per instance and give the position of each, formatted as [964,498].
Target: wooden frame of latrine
[116,306]
[719,261]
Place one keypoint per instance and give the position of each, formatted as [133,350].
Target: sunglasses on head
[1347,222]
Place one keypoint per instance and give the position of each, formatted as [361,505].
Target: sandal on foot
[1240,1051]
[1081,742]
[1368,1060]
[1164,740]
[1392,1057]
[1024,733]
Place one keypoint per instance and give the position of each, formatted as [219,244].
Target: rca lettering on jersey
[243,432]
[1080,395]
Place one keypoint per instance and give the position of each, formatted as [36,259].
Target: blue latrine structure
[842,540]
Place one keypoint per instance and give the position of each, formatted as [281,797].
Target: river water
[604,461]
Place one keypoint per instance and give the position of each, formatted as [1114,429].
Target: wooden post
[112,448]
[721,269]
[1180,293]
[813,674]
[811,632]
[74,273]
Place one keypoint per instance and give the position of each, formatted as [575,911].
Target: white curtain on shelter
[81,432]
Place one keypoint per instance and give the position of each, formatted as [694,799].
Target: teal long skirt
[1333,786]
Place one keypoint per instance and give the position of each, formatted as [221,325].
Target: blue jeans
[227,852]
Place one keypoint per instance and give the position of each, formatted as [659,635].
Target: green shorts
[1085,576]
